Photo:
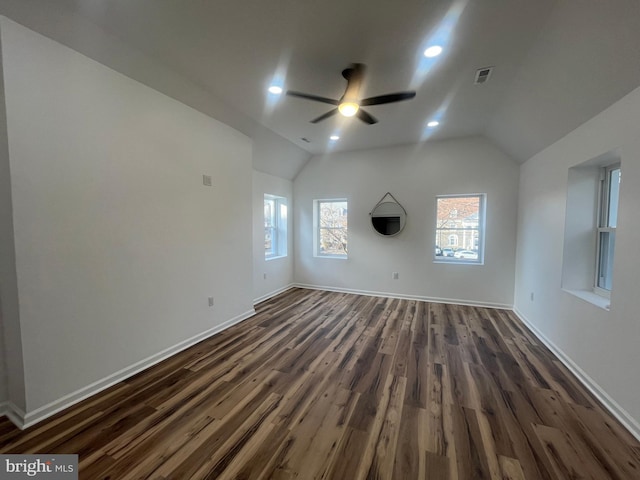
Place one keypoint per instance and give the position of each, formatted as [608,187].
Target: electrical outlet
[264,275]
[211,301]
[531,296]
[206,180]
[395,276]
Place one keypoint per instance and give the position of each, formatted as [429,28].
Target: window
[330,228]
[590,228]
[275,226]
[606,231]
[460,227]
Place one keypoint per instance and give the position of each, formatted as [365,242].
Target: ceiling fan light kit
[348,109]
[349,105]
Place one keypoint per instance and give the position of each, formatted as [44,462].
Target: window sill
[593,298]
[275,257]
[332,257]
[458,262]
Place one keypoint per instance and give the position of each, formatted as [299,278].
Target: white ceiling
[557,62]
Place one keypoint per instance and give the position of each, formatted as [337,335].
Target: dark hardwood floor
[338,386]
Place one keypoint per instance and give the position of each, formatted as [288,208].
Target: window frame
[481,229]
[317,251]
[602,226]
[278,229]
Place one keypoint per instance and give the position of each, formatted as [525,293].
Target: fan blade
[390,98]
[330,113]
[365,117]
[315,98]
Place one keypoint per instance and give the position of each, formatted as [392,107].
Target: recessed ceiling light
[334,137]
[275,89]
[433,123]
[433,51]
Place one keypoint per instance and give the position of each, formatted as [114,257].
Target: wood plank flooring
[322,385]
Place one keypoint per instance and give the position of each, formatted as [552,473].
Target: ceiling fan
[350,103]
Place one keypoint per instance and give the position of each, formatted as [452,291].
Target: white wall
[60,21]
[4,394]
[414,175]
[276,156]
[278,271]
[601,345]
[118,243]
[11,365]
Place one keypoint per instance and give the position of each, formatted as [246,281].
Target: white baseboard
[273,294]
[455,301]
[15,414]
[12,412]
[630,423]
[26,419]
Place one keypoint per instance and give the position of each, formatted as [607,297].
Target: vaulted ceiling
[556,64]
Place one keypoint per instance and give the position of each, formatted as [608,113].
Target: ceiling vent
[482,75]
